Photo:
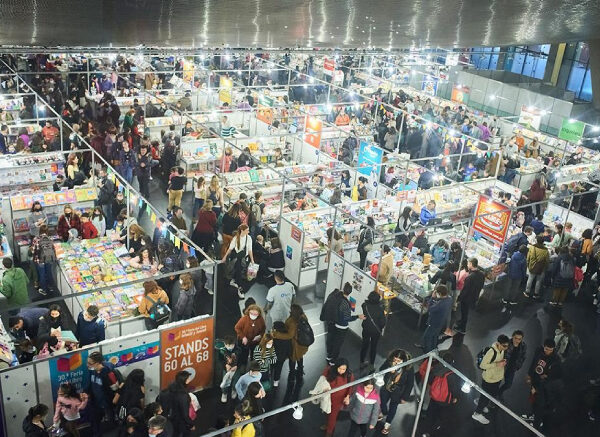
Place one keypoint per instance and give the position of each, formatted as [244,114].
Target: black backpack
[329,311]
[304,333]
[159,311]
[482,353]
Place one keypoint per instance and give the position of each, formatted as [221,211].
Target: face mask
[253,316]
[269,346]
[68,214]
[152,435]
[230,348]
[91,369]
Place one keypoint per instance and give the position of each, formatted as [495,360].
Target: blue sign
[369,159]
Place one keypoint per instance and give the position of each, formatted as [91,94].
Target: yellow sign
[225,86]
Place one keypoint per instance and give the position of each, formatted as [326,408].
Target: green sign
[571,131]
[265,100]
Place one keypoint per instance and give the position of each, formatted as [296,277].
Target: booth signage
[571,131]
[429,85]
[133,354]
[69,368]
[313,131]
[187,347]
[265,109]
[369,159]
[495,221]
[328,66]
[225,86]
[530,117]
[460,95]
[296,233]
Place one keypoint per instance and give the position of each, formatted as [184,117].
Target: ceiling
[296,23]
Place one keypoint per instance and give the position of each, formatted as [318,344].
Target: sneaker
[233,283]
[42,292]
[513,303]
[233,394]
[553,303]
[526,295]
[241,293]
[224,398]
[151,178]
[504,301]
[276,383]
[480,418]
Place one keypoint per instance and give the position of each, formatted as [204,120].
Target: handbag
[369,246]
[252,271]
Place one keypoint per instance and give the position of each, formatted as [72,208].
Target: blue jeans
[45,275]
[430,338]
[388,410]
[198,203]
[127,173]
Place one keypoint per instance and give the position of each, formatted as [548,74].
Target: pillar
[594,46]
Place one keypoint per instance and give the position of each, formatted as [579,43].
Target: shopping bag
[252,271]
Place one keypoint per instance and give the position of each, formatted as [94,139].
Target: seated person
[145,260]
[261,255]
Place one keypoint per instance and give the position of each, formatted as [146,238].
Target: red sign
[491,219]
[328,66]
[460,95]
[187,347]
[296,234]
[313,131]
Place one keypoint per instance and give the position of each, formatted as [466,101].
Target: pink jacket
[461,275]
[69,408]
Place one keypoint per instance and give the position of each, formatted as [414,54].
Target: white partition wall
[292,241]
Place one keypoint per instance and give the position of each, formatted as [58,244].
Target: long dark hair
[180,383]
[333,370]
[134,379]
[37,410]
[296,312]
[69,390]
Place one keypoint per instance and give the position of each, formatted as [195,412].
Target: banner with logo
[571,131]
[328,66]
[460,95]
[495,221]
[530,117]
[369,159]
[190,348]
[69,368]
[429,84]
[313,131]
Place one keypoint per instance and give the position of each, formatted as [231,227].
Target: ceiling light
[572,120]
[492,97]
[596,128]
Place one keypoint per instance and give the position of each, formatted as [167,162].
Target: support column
[594,46]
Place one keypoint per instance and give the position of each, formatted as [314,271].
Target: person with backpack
[130,395]
[279,299]
[514,242]
[154,305]
[439,306]
[492,362]
[337,375]
[517,272]
[338,313]
[101,387]
[299,332]
[364,408]
[176,402]
[372,328]
[91,328]
[563,275]
[365,241]
[515,357]
[398,385]
[538,259]
[567,343]
[444,389]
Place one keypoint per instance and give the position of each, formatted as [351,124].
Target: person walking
[241,248]
[439,306]
[364,408]
[337,375]
[493,365]
[176,187]
[398,385]
[517,272]
[142,170]
[204,234]
[176,402]
[101,388]
[249,329]
[43,256]
[14,285]
[469,295]
[372,328]
[515,357]
[365,241]
[298,350]
[538,259]
[343,317]
[563,274]
[279,300]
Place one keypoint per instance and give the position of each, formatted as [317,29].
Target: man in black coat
[470,293]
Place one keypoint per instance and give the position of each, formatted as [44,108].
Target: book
[68,336]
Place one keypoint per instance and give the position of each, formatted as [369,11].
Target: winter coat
[32,430]
[90,332]
[517,268]
[184,306]
[537,255]
[557,281]
[65,225]
[145,305]
[297,350]
[542,364]
[520,354]
[246,327]
[88,231]
[337,398]
[14,286]
[322,386]
[31,320]
[401,389]
[375,318]
[438,311]
[386,266]
[176,404]
[364,408]
[492,373]
[472,287]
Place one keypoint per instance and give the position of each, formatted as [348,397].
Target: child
[364,408]
[88,230]
[228,359]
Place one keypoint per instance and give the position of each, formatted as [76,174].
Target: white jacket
[324,402]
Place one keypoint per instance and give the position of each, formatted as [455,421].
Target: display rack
[19,170]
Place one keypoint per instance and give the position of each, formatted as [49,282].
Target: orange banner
[187,347]
[313,131]
[495,221]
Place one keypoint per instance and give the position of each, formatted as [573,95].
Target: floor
[535,319]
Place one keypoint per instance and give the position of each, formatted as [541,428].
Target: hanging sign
[429,85]
[225,86]
[369,159]
[190,348]
[530,117]
[313,131]
[571,131]
[495,221]
[328,66]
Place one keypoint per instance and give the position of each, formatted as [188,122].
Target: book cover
[49,199]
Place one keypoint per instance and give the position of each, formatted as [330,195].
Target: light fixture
[356,105]
[572,120]
[459,86]
[298,411]
[596,128]
[452,133]
[41,107]
[304,85]
[311,80]
[492,97]
[530,108]
[544,112]
[391,69]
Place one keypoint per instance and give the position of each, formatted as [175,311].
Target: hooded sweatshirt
[364,408]
[32,430]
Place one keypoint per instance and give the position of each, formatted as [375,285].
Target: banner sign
[429,84]
[495,221]
[328,66]
[530,117]
[313,131]
[571,131]
[225,86]
[190,348]
[133,354]
[460,95]
[69,368]
[265,110]
[369,159]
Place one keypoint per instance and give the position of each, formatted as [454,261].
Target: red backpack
[439,390]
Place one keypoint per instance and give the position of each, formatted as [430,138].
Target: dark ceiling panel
[290,23]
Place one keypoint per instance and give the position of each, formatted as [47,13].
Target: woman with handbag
[365,241]
[372,328]
[398,385]
[241,248]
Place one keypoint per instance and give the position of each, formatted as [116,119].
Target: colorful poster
[571,130]
[313,131]
[530,117]
[491,219]
[369,159]
[190,348]
[69,368]
[265,110]
[296,233]
[328,66]
[133,354]
[289,252]
[460,94]
[225,86]
[429,85]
